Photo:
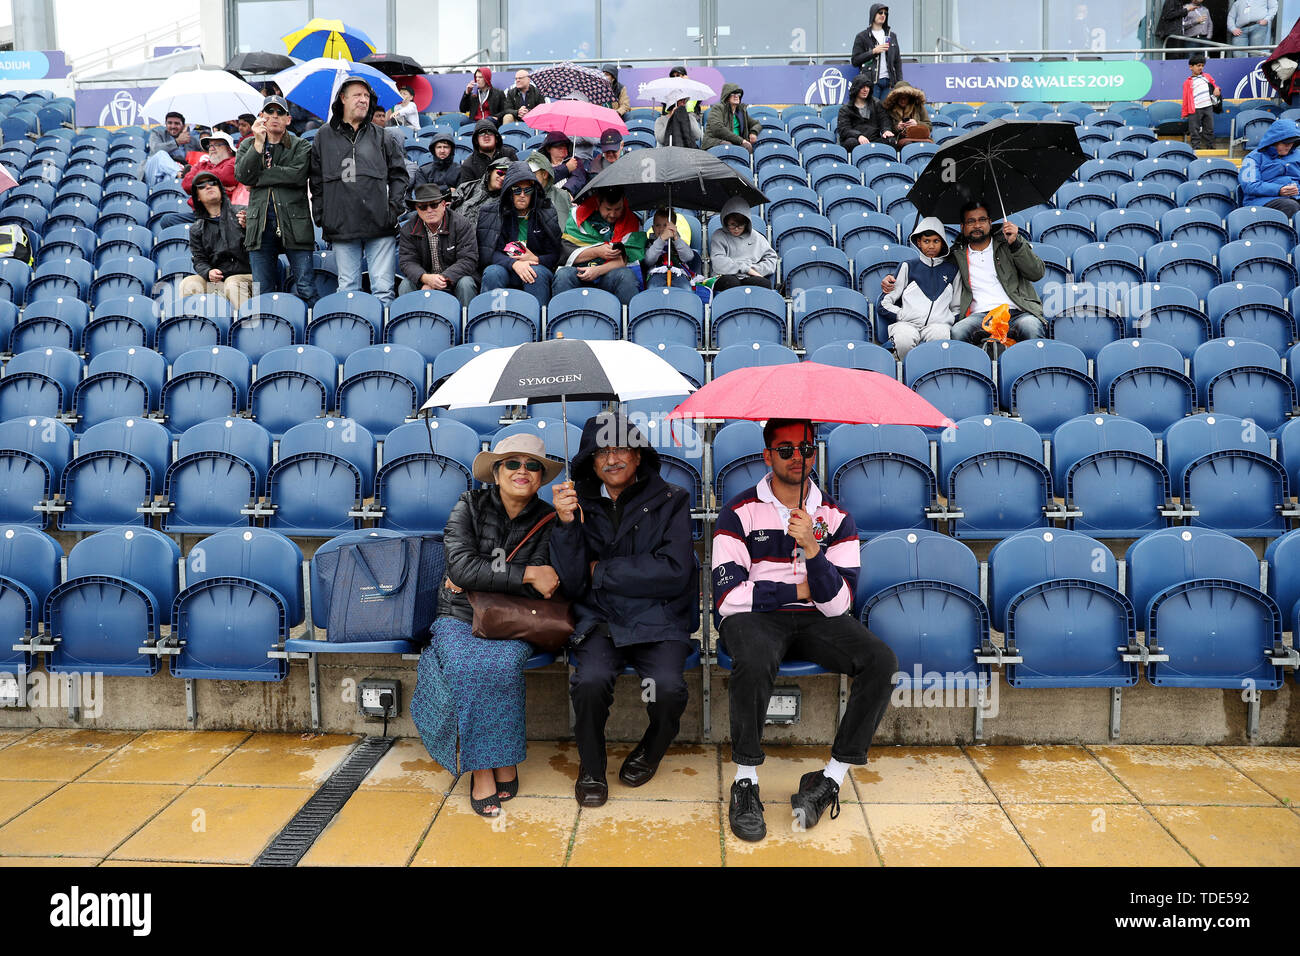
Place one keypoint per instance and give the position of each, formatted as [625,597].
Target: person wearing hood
[876,53]
[471,199]
[669,250]
[678,126]
[623,550]
[560,199]
[519,242]
[217,246]
[562,161]
[862,119]
[442,170]
[622,103]
[602,239]
[274,164]
[438,249]
[482,100]
[488,146]
[358,190]
[730,122]
[1270,173]
[737,254]
[920,309]
[905,105]
[521,98]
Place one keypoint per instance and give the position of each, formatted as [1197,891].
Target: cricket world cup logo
[121,110]
[826,89]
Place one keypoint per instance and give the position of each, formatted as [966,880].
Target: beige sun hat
[511,447]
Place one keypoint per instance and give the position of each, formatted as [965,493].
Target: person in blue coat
[1270,174]
[623,550]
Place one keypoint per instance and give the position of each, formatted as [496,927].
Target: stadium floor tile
[88,798]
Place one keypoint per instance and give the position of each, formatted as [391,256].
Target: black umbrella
[690,178]
[260,62]
[1015,163]
[393,64]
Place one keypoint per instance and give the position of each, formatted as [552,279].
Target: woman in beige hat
[469,698]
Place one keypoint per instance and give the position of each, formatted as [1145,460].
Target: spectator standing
[522,98]
[875,52]
[730,122]
[358,190]
[738,253]
[519,241]
[482,100]
[487,147]
[862,119]
[217,246]
[275,164]
[1198,107]
[1250,22]
[438,249]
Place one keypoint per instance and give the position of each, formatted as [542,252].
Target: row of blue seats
[1194,596]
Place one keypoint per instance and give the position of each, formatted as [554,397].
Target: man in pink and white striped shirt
[785,567]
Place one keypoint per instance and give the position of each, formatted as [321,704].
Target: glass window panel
[1095,26]
[842,20]
[766,26]
[976,26]
[457,30]
[419,31]
[551,30]
[626,31]
[261,26]
[370,18]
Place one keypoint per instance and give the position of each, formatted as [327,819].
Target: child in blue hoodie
[923,302]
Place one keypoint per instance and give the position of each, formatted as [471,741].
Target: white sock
[836,771]
[747,773]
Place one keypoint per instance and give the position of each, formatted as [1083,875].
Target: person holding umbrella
[678,126]
[785,568]
[623,550]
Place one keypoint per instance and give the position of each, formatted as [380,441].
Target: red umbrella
[575,118]
[819,393]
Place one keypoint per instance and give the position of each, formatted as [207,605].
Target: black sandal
[489,806]
[509,789]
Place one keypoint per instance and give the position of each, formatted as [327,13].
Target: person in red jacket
[1197,108]
[220,162]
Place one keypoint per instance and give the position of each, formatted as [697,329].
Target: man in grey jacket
[439,247]
[358,190]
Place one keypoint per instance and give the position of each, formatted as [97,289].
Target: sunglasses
[514,464]
[275,111]
[422,206]
[522,190]
[786,451]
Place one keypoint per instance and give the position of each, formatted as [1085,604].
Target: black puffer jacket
[477,162]
[498,224]
[644,582]
[358,179]
[478,525]
[850,124]
[218,243]
[444,172]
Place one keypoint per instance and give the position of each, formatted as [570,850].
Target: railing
[139,47]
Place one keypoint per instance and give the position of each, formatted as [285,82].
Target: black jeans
[730,282]
[1287,205]
[757,643]
[597,662]
[1200,128]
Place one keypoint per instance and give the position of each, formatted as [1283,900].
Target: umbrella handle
[1002,208]
[564,419]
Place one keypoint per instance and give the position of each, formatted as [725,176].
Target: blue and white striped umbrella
[314,84]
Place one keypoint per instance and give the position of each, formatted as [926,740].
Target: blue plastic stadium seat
[382,386]
[1196,594]
[205,384]
[117,596]
[1244,379]
[57,321]
[427,321]
[126,321]
[954,377]
[1257,261]
[344,322]
[269,321]
[1170,314]
[502,318]
[1106,467]
[1065,229]
[1045,383]
[426,469]
[1217,197]
[1143,380]
[585,314]
[118,469]
[120,383]
[1245,310]
[1261,223]
[747,314]
[1087,314]
[815,266]
[29,570]
[33,453]
[293,385]
[485,421]
[1187,264]
[874,262]
[827,314]
[197,321]
[992,470]
[666,316]
[881,475]
[219,471]
[1220,466]
[1106,264]
[325,470]
[39,382]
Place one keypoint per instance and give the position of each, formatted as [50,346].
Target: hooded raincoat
[736,255]
[850,123]
[923,303]
[1263,172]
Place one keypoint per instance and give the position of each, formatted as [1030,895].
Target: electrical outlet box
[370,694]
[785,705]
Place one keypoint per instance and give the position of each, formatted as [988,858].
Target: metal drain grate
[293,842]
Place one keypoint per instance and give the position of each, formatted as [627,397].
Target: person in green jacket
[730,122]
[274,165]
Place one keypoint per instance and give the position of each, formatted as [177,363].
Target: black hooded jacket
[498,224]
[358,178]
[865,42]
[217,243]
[444,172]
[851,124]
[476,164]
[643,585]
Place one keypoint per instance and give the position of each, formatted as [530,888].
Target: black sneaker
[816,792]
[746,813]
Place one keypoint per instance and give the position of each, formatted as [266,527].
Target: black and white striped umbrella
[558,370]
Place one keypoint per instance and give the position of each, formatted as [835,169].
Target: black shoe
[816,792]
[590,791]
[636,769]
[746,812]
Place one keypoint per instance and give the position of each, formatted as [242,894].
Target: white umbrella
[205,97]
[557,370]
[670,89]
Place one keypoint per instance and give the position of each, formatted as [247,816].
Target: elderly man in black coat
[623,550]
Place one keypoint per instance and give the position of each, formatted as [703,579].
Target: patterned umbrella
[558,82]
[330,38]
[575,118]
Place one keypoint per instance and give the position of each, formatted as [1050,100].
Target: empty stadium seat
[33,453]
[874,262]
[58,321]
[747,314]
[1220,467]
[813,266]
[737,460]
[1245,310]
[1105,467]
[293,385]
[1257,261]
[954,377]
[502,318]
[585,314]
[382,386]
[427,466]
[1187,264]
[668,316]
[269,321]
[197,321]
[219,473]
[29,570]
[1153,198]
[827,314]
[1062,228]
[1217,197]
[324,472]
[344,322]
[426,320]
[993,473]
[126,321]
[1106,264]
[1045,383]
[860,355]
[119,383]
[1170,314]
[39,382]
[1143,380]
[881,475]
[205,384]
[751,355]
[1088,315]
[1244,379]
[1261,223]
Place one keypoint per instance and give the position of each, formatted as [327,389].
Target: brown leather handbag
[544,623]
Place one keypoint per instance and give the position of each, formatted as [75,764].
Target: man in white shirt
[995,268]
